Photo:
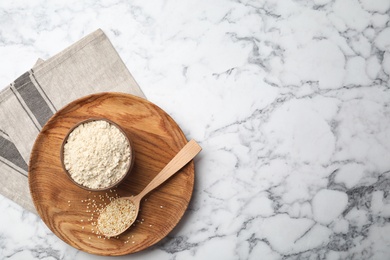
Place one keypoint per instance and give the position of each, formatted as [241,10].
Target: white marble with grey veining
[289,99]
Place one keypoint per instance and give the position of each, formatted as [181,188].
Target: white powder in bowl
[96,154]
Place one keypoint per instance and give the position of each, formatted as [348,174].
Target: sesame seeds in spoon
[121,213]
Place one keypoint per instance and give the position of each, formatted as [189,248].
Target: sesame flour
[96,154]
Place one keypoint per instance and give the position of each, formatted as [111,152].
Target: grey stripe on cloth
[88,66]
[17,121]
[11,156]
[13,173]
[33,99]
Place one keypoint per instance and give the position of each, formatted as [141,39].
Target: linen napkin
[88,66]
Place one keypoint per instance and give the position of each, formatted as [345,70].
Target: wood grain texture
[64,206]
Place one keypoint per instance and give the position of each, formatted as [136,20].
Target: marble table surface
[289,99]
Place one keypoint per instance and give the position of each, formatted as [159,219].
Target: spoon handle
[186,154]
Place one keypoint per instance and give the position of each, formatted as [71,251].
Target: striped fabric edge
[10,155]
[39,109]
[33,99]
[13,168]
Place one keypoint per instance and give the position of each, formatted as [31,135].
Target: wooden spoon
[121,213]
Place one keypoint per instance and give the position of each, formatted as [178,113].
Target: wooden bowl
[128,170]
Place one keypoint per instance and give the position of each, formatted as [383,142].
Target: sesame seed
[116,217]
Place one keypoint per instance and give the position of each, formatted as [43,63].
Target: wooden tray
[67,209]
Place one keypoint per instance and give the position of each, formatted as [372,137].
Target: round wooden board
[68,210]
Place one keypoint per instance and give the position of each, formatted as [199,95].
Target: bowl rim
[129,141]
